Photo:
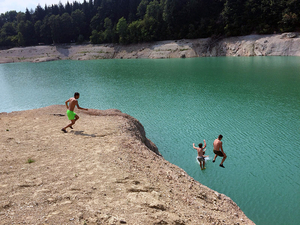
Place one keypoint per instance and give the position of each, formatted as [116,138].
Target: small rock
[288,35]
[291,35]
[80,215]
[218,195]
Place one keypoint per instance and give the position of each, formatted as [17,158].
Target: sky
[21,5]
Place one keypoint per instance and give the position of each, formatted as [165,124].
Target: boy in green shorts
[70,111]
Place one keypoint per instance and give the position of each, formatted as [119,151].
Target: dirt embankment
[287,44]
[104,171]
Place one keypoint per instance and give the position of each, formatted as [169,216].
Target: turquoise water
[253,102]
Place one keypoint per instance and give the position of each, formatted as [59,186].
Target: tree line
[133,21]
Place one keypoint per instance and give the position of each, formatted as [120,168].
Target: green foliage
[8,35]
[122,30]
[141,10]
[80,39]
[134,31]
[45,31]
[21,40]
[66,27]
[79,23]
[132,21]
[96,37]
[30,161]
[54,22]
[289,21]
[108,32]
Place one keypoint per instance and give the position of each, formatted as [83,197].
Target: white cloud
[21,5]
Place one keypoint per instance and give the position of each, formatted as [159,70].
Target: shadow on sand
[83,134]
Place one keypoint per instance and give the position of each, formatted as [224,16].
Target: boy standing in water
[201,157]
[70,111]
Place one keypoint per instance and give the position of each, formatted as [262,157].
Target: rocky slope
[104,171]
[287,44]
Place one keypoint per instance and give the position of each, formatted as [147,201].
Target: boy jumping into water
[218,150]
[201,156]
[70,112]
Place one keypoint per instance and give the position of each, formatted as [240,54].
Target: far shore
[286,44]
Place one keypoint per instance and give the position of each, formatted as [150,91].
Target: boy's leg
[224,157]
[215,158]
[70,125]
[76,118]
[73,122]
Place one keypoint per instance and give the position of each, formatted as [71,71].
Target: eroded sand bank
[104,171]
[287,44]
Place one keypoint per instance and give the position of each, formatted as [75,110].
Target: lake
[254,102]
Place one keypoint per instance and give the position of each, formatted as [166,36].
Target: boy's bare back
[200,152]
[217,144]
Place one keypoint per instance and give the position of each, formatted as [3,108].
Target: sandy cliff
[104,171]
[287,44]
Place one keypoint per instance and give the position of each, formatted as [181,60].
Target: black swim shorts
[219,153]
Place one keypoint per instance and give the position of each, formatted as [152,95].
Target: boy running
[70,111]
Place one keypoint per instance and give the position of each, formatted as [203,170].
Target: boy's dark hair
[200,145]
[76,94]
[220,136]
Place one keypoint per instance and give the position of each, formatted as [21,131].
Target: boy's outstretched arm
[78,107]
[194,146]
[81,108]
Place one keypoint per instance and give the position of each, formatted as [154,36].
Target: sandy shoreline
[287,44]
[104,171]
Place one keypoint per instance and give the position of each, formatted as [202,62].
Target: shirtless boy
[201,157]
[218,150]
[70,112]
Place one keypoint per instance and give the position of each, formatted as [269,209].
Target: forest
[135,21]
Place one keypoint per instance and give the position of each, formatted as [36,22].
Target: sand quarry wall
[287,44]
[104,171]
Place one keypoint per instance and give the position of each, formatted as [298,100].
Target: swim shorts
[71,115]
[219,153]
[200,159]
